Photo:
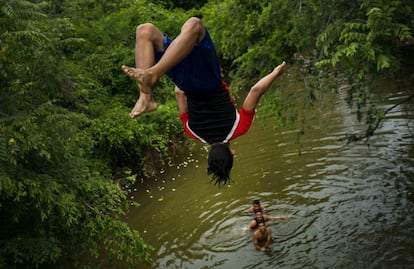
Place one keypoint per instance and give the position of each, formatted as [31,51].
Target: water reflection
[348,206]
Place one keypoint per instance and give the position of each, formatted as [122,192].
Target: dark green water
[349,206]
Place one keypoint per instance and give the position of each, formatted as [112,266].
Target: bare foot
[145,78]
[145,103]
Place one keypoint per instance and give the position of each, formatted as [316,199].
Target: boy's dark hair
[256,202]
[220,163]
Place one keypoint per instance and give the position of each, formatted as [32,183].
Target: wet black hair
[220,163]
[256,202]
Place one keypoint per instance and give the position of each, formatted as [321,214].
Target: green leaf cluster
[67,145]
[371,39]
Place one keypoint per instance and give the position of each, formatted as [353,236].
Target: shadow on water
[348,206]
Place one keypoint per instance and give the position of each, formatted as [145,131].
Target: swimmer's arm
[252,224]
[280,217]
[268,239]
[256,242]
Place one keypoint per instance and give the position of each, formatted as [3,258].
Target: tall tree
[57,201]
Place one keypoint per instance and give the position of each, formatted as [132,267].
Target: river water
[349,206]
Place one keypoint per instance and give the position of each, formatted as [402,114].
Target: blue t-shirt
[211,112]
[197,72]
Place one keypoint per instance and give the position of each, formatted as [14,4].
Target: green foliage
[368,41]
[66,142]
[261,34]
[55,199]
[254,39]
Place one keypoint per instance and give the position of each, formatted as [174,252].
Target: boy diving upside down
[206,109]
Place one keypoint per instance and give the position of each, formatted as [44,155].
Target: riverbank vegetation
[67,145]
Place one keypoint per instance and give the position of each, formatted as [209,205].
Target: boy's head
[261,226]
[220,163]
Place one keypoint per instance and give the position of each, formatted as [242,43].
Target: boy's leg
[148,39]
[146,73]
[192,32]
[253,97]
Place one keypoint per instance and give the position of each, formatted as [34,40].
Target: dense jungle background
[67,145]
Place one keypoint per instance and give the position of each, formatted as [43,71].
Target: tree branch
[370,131]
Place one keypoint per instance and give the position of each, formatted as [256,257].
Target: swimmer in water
[262,237]
[256,206]
[260,217]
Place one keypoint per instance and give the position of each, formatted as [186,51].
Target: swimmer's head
[259,214]
[257,206]
[261,226]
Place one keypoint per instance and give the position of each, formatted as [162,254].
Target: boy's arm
[253,97]
[181,100]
